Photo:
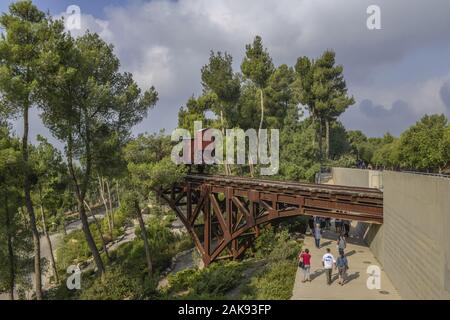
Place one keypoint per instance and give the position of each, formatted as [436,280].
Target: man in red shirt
[305,264]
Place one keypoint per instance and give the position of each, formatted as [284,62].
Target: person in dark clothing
[342,266]
[341,244]
[346,225]
[338,226]
[311,224]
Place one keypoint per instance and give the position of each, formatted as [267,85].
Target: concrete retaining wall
[413,244]
[416,253]
[357,177]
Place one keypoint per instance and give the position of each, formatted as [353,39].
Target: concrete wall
[357,177]
[416,231]
[372,234]
[413,244]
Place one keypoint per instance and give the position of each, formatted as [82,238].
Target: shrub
[264,244]
[212,282]
[74,248]
[276,282]
[116,284]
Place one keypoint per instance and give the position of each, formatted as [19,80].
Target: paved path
[359,258]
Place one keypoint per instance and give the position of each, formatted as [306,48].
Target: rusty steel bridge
[223,214]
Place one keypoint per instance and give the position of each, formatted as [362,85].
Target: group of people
[318,224]
[360,164]
[328,260]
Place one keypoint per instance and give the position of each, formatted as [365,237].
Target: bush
[285,249]
[126,276]
[212,282]
[264,244]
[276,280]
[116,284]
[74,248]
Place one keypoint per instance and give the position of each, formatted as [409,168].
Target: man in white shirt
[327,262]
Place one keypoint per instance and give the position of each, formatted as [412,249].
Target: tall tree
[15,237]
[150,168]
[195,110]
[218,77]
[279,96]
[423,145]
[90,106]
[21,55]
[257,66]
[323,89]
[50,171]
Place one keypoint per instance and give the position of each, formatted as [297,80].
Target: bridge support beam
[223,215]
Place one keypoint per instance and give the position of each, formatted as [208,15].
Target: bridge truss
[223,214]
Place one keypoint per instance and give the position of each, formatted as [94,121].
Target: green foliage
[322,88]
[265,243]
[126,277]
[388,155]
[195,110]
[423,145]
[51,182]
[257,64]
[298,155]
[74,248]
[276,280]
[149,164]
[15,236]
[208,283]
[279,96]
[116,284]
[218,78]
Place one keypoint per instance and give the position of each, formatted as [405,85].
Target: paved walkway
[359,258]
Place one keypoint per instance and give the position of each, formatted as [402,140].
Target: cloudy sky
[396,74]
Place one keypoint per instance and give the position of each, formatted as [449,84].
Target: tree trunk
[84,220]
[99,227]
[64,222]
[320,142]
[49,242]
[12,272]
[144,237]
[30,209]
[102,195]
[111,212]
[90,239]
[314,127]
[226,166]
[252,168]
[117,191]
[327,138]
[262,108]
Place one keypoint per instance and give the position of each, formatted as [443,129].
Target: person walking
[346,225]
[338,226]
[342,266]
[341,244]
[305,264]
[327,223]
[317,235]
[311,225]
[327,263]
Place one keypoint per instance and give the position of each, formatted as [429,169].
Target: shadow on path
[351,277]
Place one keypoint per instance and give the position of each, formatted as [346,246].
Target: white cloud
[165,43]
